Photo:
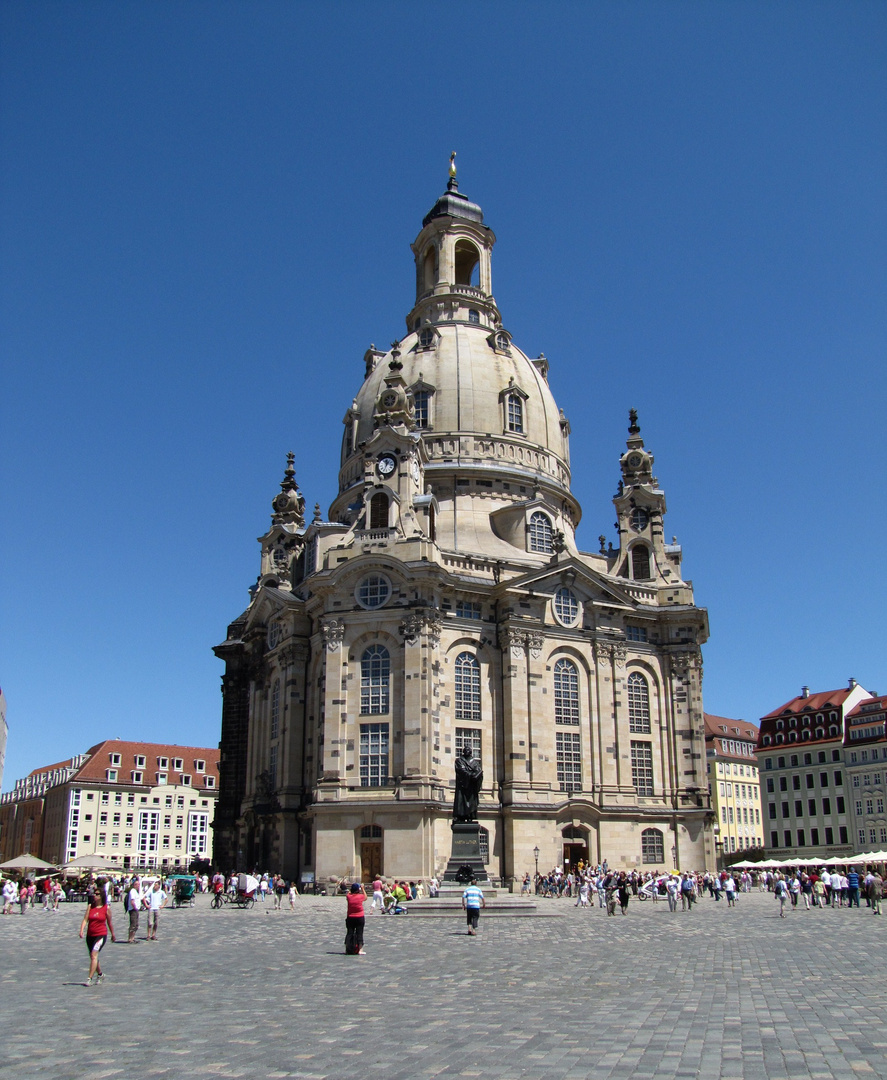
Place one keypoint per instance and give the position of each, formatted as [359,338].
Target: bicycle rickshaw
[182,888]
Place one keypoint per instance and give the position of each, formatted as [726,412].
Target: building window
[426,338]
[161,778]
[209,781]
[640,562]
[115,759]
[186,779]
[636,633]
[566,692]
[642,767]
[569,760]
[373,591]
[275,709]
[468,737]
[502,342]
[136,777]
[198,834]
[378,514]
[566,607]
[514,408]
[540,533]
[373,755]
[375,677]
[149,830]
[473,316]
[421,402]
[140,761]
[652,847]
[178,764]
[467,687]
[468,609]
[638,704]
[111,775]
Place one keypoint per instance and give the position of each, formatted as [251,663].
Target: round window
[373,591]
[566,607]
[639,519]
[502,341]
[426,338]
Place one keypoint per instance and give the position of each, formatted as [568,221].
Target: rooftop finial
[633,426]
[453,183]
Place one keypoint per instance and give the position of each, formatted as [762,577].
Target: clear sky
[206,217]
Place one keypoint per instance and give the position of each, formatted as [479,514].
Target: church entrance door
[370,860]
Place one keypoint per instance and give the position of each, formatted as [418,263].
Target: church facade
[444,603]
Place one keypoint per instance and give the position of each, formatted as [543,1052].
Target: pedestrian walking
[134,901]
[876,892]
[472,902]
[780,891]
[155,902]
[97,924]
[355,920]
[378,897]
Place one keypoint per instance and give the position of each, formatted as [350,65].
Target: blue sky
[206,217]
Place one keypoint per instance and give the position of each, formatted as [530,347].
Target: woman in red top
[97,924]
[355,921]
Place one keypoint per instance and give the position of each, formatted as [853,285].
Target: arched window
[566,692]
[379,511]
[467,687]
[428,269]
[275,709]
[638,704]
[640,562]
[375,678]
[467,262]
[652,847]
[432,523]
[514,413]
[540,533]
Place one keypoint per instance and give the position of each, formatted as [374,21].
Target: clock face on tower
[386,465]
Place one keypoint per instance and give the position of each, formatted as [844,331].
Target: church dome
[478,403]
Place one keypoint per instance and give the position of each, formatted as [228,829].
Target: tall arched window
[275,709]
[467,687]
[379,511]
[375,679]
[638,704]
[540,533]
[640,562]
[566,692]
[467,259]
[652,847]
[421,401]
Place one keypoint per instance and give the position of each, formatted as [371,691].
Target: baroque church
[444,603]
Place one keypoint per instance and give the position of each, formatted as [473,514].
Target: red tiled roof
[811,703]
[714,727]
[50,768]
[99,760]
[868,707]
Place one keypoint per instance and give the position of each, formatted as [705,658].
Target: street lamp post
[536,856]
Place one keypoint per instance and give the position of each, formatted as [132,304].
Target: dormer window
[163,763]
[514,420]
[199,765]
[427,338]
[503,343]
[209,781]
[136,776]
[161,778]
[115,759]
[177,764]
[111,775]
[140,761]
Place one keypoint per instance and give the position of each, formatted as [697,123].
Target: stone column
[515,710]
[334,707]
[421,636]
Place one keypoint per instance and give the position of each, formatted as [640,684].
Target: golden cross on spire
[453,164]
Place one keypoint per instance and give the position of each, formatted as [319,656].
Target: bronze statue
[469,777]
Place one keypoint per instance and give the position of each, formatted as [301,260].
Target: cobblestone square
[710,993]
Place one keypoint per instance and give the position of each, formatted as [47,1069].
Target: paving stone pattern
[710,993]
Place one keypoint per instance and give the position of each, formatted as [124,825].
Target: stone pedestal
[465,852]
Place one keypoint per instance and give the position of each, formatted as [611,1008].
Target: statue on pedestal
[469,777]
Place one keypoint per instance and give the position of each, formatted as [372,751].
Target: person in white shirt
[156,902]
[826,878]
[10,895]
[134,906]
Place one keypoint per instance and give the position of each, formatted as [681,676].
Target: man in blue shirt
[472,902]
[853,887]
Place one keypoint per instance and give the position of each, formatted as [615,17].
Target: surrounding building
[865,763]
[138,804]
[733,783]
[801,757]
[22,810]
[444,603]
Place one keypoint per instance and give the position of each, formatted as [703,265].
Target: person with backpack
[780,891]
